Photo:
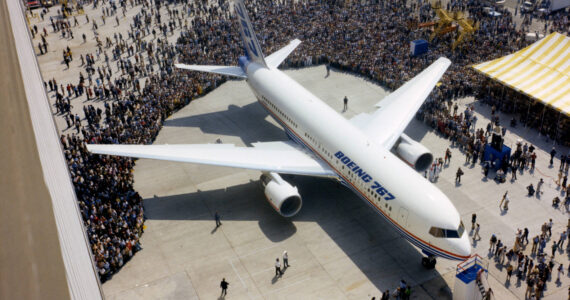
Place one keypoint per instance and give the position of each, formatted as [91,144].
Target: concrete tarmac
[339,248]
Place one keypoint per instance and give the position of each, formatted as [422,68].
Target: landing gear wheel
[429,262]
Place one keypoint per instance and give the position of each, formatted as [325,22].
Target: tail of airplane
[250,43]
[251,47]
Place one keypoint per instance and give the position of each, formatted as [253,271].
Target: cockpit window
[437,232]
[451,234]
[461,229]
[447,233]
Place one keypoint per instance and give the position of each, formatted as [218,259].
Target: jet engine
[414,153]
[284,197]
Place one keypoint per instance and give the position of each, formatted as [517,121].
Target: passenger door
[403,216]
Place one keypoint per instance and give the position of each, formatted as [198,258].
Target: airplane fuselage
[397,192]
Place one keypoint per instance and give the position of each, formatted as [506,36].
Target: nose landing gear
[429,262]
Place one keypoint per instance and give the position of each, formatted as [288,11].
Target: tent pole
[515,106]
[527,115]
[557,128]
[542,121]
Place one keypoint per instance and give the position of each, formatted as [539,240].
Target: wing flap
[281,157]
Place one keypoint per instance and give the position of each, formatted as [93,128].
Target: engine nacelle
[284,197]
[414,153]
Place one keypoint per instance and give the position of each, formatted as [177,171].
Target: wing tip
[444,60]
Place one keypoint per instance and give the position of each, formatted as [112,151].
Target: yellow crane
[449,21]
[467,28]
[445,21]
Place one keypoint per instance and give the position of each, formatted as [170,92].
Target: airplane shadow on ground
[364,236]
[244,122]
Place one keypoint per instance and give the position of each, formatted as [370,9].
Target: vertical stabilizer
[250,43]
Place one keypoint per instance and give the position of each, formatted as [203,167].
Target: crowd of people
[133,75]
[536,268]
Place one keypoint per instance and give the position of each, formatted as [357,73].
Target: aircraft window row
[309,137]
[447,233]
[377,197]
[371,193]
[281,113]
[327,153]
[351,178]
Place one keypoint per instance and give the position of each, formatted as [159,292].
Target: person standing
[506,205]
[498,248]
[505,198]
[476,235]
[492,243]
[224,285]
[328,66]
[554,248]
[514,172]
[217,217]
[458,175]
[529,287]
[549,227]
[278,271]
[447,156]
[473,221]
[285,259]
[562,239]
[534,244]
[539,187]
[525,235]
[560,271]
[552,153]
[345,104]
[509,271]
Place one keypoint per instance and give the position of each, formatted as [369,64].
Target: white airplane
[369,153]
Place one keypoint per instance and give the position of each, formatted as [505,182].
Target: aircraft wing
[386,124]
[280,157]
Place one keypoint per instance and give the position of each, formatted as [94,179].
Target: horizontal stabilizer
[277,57]
[222,70]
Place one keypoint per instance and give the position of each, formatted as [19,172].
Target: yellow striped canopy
[541,71]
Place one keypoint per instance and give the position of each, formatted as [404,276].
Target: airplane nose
[463,246]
